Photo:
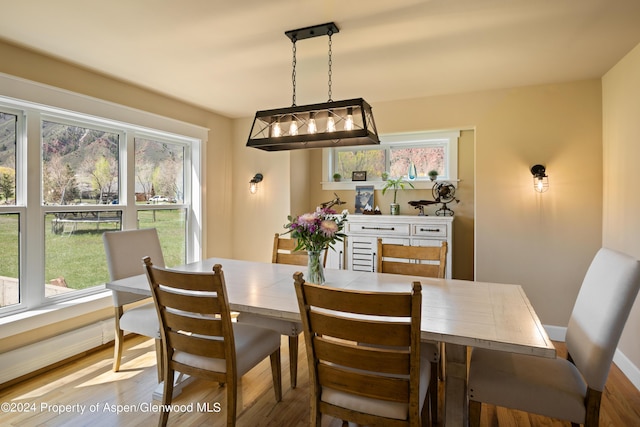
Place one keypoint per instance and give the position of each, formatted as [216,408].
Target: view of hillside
[80,165]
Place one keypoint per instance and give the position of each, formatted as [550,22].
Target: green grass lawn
[79,256]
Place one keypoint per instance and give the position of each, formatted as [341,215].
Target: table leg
[456,404]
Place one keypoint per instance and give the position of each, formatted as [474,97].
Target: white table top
[477,314]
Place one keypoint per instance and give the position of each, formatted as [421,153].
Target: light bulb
[293,127]
[348,124]
[331,124]
[276,130]
[311,126]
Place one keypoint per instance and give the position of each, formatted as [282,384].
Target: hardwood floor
[91,384]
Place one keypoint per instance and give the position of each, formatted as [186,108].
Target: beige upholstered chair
[199,339]
[283,253]
[364,355]
[427,261]
[558,388]
[124,250]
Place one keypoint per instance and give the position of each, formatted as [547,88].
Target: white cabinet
[336,256]
[363,232]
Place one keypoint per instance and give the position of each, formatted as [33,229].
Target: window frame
[448,138]
[35,103]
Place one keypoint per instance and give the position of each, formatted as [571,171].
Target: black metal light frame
[329,124]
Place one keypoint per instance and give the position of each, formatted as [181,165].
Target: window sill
[379,185]
[57,312]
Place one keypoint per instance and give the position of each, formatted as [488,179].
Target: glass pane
[424,159]
[79,165]
[370,161]
[8,138]
[9,259]
[74,252]
[159,172]
[172,230]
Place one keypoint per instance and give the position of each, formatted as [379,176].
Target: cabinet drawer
[379,229]
[429,230]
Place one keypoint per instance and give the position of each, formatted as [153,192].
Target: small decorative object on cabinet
[395,184]
[363,231]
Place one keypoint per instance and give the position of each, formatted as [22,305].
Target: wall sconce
[253,184]
[540,178]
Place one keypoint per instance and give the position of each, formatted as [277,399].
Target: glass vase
[315,270]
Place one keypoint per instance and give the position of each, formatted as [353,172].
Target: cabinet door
[362,250]
[335,256]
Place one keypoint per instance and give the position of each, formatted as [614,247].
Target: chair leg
[167,396]
[119,340]
[433,391]
[232,400]
[592,417]
[293,360]
[276,373]
[474,413]
[159,359]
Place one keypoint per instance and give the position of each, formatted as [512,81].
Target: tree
[7,185]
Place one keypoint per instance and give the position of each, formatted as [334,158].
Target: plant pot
[395,209]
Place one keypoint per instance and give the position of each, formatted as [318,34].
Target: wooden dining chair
[568,389]
[284,253]
[199,339]
[427,261]
[364,356]
[124,250]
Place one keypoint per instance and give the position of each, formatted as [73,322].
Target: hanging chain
[330,33]
[293,74]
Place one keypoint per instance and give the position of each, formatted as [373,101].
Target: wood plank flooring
[57,397]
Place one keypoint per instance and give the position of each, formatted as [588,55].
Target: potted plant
[337,177]
[395,184]
[433,174]
[384,176]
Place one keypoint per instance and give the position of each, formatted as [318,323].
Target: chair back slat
[393,389]
[198,303]
[354,329]
[209,326]
[369,303]
[350,354]
[427,261]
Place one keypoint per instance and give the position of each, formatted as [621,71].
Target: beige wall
[621,224]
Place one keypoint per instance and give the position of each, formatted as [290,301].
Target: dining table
[462,314]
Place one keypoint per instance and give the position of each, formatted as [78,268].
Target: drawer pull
[431,230]
[378,228]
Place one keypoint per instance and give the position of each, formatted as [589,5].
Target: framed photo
[359,176]
[364,197]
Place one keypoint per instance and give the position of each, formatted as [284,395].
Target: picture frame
[359,176]
[364,197]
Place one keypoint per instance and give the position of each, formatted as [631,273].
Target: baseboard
[627,367]
[631,371]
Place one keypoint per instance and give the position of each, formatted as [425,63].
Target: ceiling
[232,57]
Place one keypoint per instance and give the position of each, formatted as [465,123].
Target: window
[68,177]
[412,155]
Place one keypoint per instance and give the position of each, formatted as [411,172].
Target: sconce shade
[540,178]
[253,184]
[272,130]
